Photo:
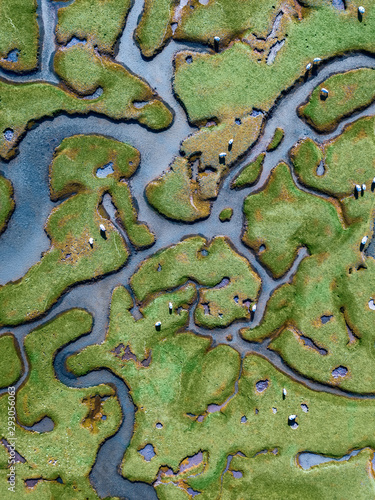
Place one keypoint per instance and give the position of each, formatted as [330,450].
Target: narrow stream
[24,240]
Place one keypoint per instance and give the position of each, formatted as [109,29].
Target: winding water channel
[24,240]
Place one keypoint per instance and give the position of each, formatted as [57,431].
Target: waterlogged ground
[188,279]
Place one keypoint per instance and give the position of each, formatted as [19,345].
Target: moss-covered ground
[99,24]
[71,257]
[347,92]
[154,28]
[19,35]
[228,282]
[228,20]
[250,173]
[193,180]
[198,22]
[227,83]
[175,194]
[11,362]
[226,214]
[62,458]
[278,136]
[322,321]
[196,397]
[192,397]
[84,71]
[6,202]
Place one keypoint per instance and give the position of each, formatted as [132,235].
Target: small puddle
[307,460]
[8,134]
[338,4]
[325,319]
[320,170]
[274,50]
[98,92]
[148,452]
[103,172]
[340,371]
[12,56]
[75,41]
[276,25]
[261,385]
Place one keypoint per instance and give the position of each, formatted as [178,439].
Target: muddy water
[24,240]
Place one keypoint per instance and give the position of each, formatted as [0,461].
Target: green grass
[184,195]
[100,24]
[276,139]
[173,266]
[284,218]
[71,259]
[174,194]
[11,365]
[226,19]
[249,174]
[6,202]
[139,234]
[20,104]
[226,214]
[348,92]
[347,161]
[154,27]
[226,84]
[184,375]
[336,279]
[84,71]
[69,450]
[19,31]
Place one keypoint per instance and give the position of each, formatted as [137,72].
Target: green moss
[68,451]
[19,31]
[278,136]
[20,104]
[347,92]
[176,379]
[226,214]
[226,19]
[322,319]
[174,194]
[71,259]
[183,192]
[273,477]
[11,363]
[100,25]
[249,174]
[347,160]
[139,234]
[183,375]
[228,279]
[227,83]
[85,71]
[207,144]
[6,202]
[283,218]
[154,27]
